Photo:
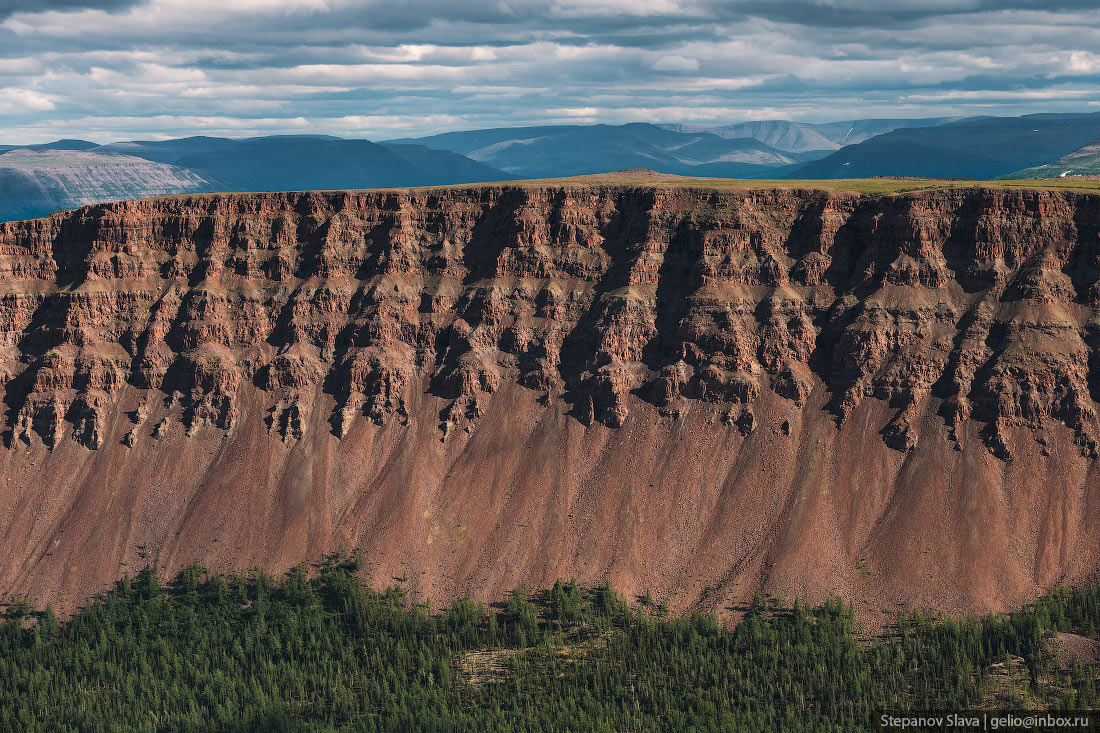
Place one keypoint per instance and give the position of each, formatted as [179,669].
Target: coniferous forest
[319,650]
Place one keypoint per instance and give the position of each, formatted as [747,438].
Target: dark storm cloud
[385,69]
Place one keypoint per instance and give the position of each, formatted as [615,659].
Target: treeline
[322,651]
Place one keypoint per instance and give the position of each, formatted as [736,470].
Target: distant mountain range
[56,145]
[286,163]
[975,147]
[1084,161]
[35,180]
[806,137]
[38,179]
[567,150]
[984,147]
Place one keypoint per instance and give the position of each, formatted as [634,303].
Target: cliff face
[698,392]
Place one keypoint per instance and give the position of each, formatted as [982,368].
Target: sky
[106,70]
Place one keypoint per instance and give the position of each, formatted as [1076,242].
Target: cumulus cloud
[114,69]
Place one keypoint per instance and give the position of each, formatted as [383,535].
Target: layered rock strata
[888,397]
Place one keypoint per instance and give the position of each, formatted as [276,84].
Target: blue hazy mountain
[1084,161]
[298,162]
[38,179]
[810,137]
[984,147]
[568,150]
[55,145]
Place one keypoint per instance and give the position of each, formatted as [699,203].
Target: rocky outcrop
[964,320]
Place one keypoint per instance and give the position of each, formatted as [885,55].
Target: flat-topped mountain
[37,181]
[697,391]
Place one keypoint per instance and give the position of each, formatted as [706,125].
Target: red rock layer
[699,392]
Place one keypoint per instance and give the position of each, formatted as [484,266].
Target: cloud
[113,70]
[893,14]
[676,63]
[9,7]
[1083,62]
[16,101]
